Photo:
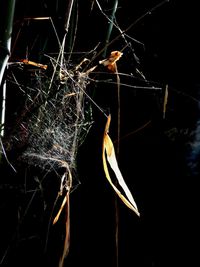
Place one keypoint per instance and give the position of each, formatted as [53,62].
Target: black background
[155,164]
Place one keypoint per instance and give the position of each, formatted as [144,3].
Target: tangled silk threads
[57,118]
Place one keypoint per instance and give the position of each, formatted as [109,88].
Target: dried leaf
[32,63]
[109,151]
[110,62]
[60,210]
[67,233]
[68,185]
[66,204]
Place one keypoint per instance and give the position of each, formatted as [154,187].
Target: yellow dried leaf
[67,233]
[109,151]
[60,210]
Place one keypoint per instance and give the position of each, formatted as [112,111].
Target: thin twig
[4,153]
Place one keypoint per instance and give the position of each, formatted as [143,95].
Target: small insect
[110,62]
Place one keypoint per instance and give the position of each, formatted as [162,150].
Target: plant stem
[115,5]
[118,140]
[6,15]
[68,15]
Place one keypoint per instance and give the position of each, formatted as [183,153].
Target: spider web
[56,119]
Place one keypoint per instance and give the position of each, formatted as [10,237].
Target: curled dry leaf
[110,62]
[109,152]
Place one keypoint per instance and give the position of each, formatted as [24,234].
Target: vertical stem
[3,109]
[117,152]
[68,15]
[117,231]
[115,5]
[6,16]
[6,22]
[118,110]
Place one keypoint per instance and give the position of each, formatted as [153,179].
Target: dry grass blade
[66,204]
[60,210]
[39,65]
[109,151]
[165,101]
[67,232]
